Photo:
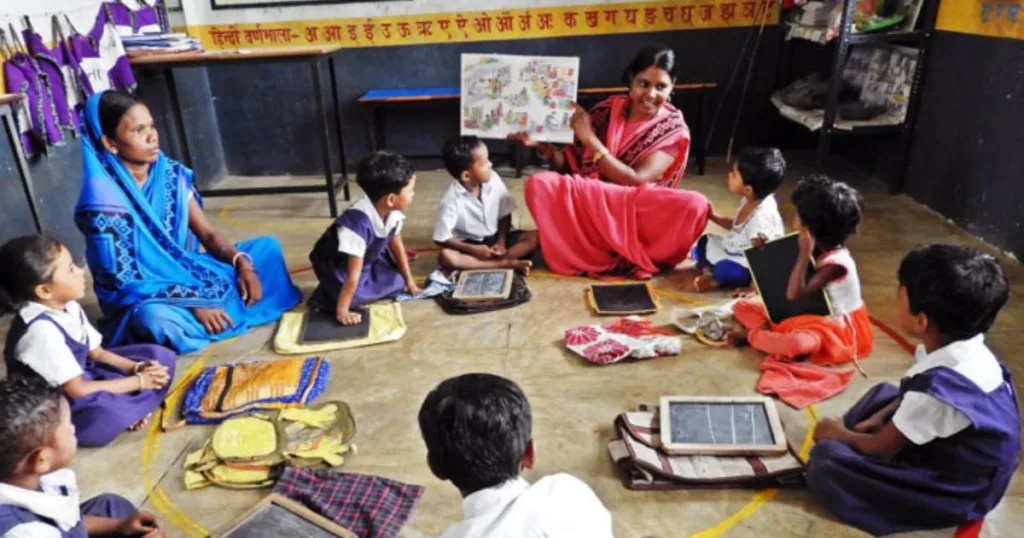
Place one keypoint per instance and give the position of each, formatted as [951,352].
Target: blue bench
[379,99]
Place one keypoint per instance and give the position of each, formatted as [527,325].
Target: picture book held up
[504,94]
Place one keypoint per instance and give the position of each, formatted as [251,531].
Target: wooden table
[318,58]
[7,102]
[378,99]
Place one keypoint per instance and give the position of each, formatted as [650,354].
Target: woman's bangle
[240,254]
[600,155]
[138,366]
[142,382]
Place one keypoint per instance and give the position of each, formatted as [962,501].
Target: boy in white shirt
[756,174]
[940,449]
[477,431]
[474,222]
[38,494]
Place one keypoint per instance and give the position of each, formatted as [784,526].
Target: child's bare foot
[140,424]
[737,337]
[704,283]
[521,266]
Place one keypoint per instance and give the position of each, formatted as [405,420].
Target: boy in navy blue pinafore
[940,450]
[38,494]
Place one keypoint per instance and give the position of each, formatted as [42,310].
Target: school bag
[251,452]
[229,390]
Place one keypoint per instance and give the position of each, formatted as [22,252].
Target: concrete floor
[573,403]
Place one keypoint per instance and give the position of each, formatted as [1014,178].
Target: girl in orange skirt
[828,213]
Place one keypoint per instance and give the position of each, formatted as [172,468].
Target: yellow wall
[992,18]
[491,25]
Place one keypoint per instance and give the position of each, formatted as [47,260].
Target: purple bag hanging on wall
[35,116]
[105,37]
[20,79]
[57,75]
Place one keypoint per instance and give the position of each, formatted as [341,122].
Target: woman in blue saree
[143,222]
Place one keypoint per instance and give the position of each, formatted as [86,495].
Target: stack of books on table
[160,43]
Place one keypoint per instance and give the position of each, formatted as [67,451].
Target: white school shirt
[556,506]
[763,220]
[353,243]
[43,349]
[844,293]
[464,217]
[50,503]
[922,418]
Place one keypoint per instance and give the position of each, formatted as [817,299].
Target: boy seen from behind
[477,428]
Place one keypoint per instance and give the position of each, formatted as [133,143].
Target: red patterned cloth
[625,338]
[369,506]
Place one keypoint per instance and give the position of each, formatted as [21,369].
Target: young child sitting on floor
[51,338]
[755,175]
[828,213]
[477,431]
[474,222]
[38,494]
[940,449]
[360,258]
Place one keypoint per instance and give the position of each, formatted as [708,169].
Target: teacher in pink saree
[609,205]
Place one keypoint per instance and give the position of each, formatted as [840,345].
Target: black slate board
[727,423]
[273,521]
[623,299]
[770,267]
[320,326]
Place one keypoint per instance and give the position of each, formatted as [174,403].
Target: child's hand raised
[806,242]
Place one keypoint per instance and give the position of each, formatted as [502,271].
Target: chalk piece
[724,426]
[484,284]
[319,326]
[770,268]
[622,299]
[276,516]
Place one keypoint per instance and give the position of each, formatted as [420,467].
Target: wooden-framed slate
[320,326]
[622,299]
[277,516]
[721,426]
[770,267]
[483,284]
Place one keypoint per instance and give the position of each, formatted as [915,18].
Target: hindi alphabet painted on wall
[491,25]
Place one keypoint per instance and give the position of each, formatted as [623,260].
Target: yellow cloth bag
[250,452]
[386,325]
